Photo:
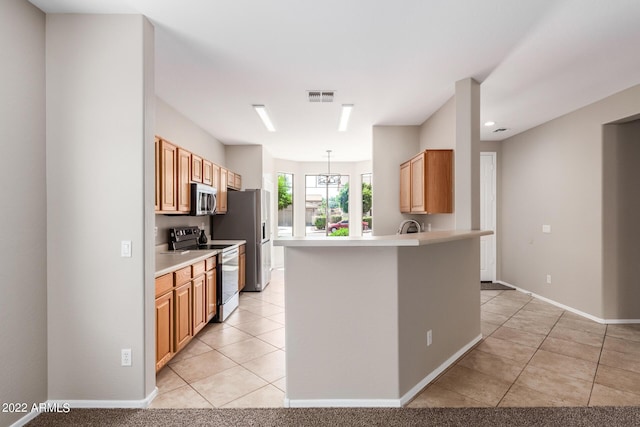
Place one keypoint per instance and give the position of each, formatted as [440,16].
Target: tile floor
[532,354]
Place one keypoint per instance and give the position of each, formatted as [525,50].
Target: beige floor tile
[491,293]
[484,298]
[277,318]
[582,325]
[574,391]
[167,380]
[265,397]
[194,348]
[258,327]
[229,385]
[202,366]
[496,319]
[498,308]
[606,396]
[281,384]
[582,337]
[565,365]
[473,384]
[495,366]
[538,306]
[546,319]
[242,352]
[618,379]
[488,328]
[506,349]
[621,345]
[269,367]
[626,332]
[520,396]
[573,349]
[528,325]
[276,337]
[183,397]
[626,361]
[265,309]
[519,336]
[239,317]
[508,302]
[515,296]
[220,338]
[436,396]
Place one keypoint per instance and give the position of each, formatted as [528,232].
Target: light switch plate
[125,249]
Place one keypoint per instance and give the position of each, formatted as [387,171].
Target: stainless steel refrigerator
[247,218]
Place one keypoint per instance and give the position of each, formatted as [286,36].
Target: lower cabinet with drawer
[185,302]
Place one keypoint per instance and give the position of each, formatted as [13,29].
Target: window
[318,191]
[285,204]
[367,199]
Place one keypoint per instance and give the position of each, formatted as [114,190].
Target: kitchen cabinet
[184,180]
[210,282]
[196,168]
[207,172]
[237,181]
[164,320]
[183,316]
[426,183]
[199,309]
[168,178]
[157,173]
[242,263]
[221,207]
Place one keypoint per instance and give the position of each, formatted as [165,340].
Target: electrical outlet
[429,337]
[548,278]
[546,228]
[125,357]
[125,249]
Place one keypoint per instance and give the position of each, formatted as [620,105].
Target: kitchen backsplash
[165,222]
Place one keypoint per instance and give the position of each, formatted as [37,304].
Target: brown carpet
[548,417]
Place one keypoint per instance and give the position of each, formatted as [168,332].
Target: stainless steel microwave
[203,199]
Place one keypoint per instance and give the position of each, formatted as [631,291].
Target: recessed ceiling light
[344,117]
[489,123]
[262,112]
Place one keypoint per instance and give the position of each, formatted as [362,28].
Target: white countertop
[168,261]
[413,239]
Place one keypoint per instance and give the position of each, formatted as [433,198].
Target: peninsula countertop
[412,239]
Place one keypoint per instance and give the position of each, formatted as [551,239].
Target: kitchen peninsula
[371,320]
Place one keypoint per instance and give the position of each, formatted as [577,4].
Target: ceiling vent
[320,95]
[500,130]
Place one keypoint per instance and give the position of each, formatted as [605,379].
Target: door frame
[494,156]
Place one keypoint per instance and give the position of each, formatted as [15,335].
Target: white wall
[99,188]
[553,174]
[23,257]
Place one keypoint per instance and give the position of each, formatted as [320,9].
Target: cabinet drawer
[198,268]
[210,263]
[182,276]
[164,284]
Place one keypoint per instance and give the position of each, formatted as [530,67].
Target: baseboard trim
[440,369]
[24,420]
[142,403]
[571,309]
[382,403]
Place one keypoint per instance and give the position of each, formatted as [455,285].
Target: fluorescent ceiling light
[344,117]
[489,123]
[262,112]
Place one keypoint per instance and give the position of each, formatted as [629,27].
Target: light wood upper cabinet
[168,178]
[238,181]
[157,173]
[184,180]
[405,187]
[426,183]
[222,192]
[196,168]
[207,172]
[215,176]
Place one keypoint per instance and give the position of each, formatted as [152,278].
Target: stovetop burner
[186,239]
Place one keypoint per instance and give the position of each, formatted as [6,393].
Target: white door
[488,216]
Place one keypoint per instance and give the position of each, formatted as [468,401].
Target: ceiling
[396,61]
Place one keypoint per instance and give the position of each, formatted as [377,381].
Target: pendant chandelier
[329,178]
